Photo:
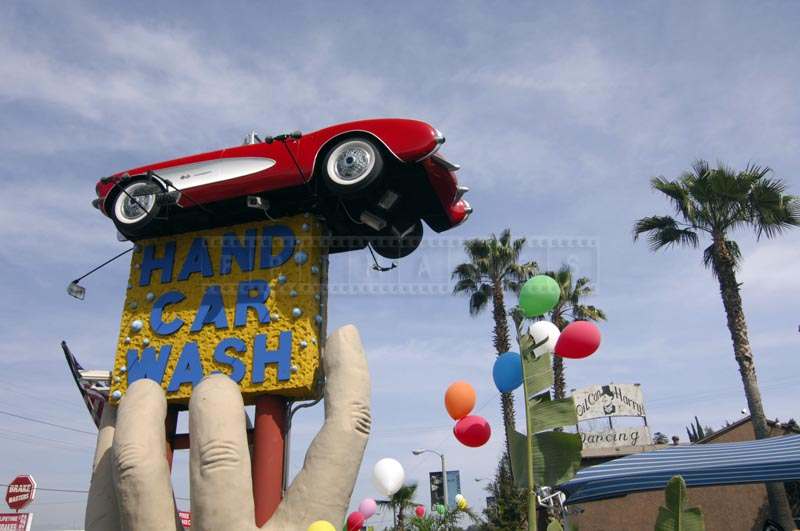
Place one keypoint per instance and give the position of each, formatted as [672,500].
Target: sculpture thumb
[322,488]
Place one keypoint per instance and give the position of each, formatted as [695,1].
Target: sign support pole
[269,445]
[170,428]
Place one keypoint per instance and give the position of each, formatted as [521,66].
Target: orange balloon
[459,399]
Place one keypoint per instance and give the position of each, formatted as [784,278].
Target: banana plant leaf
[549,414]
[556,457]
[538,373]
[676,516]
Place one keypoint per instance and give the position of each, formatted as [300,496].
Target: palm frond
[678,194]
[476,249]
[733,249]
[517,275]
[589,313]
[467,277]
[663,231]
[771,210]
[708,258]
[479,299]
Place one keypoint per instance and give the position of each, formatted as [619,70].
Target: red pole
[269,445]
[170,427]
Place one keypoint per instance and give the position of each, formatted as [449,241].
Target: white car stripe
[213,171]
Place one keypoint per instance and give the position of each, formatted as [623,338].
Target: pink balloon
[420,511]
[355,521]
[367,507]
[472,431]
[578,340]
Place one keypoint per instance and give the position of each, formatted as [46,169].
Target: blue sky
[558,114]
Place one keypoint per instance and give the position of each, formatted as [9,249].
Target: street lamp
[421,451]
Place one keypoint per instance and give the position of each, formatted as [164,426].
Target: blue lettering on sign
[189,368]
[150,263]
[221,356]
[197,261]
[263,357]
[156,314]
[149,365]
[251,294]
[268,260]
[245,254]
[211,310]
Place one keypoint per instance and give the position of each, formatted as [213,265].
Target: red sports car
[373,181]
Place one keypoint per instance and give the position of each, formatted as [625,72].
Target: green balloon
[539,295]
[441,509]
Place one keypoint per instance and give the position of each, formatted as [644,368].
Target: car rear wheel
[398,241]
[352,165]
[135,206]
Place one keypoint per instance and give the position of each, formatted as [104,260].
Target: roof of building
[788,427]
[771,459]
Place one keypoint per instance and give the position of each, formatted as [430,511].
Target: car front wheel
[352,165]
[135,206]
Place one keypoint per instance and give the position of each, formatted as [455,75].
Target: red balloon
[578,340]
[355,521]
[472,431]
[420,510]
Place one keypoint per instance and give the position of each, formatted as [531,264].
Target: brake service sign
[16,521]
[20,492]
[244,300]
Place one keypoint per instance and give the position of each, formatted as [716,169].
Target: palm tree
[570,308]
[398,502]
[492,270]
[712,203]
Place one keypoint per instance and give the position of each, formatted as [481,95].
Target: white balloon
[460,498]
[547,332]
[388,476]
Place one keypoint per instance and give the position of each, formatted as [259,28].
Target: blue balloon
[507,371]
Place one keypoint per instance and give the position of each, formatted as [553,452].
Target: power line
[54,490]
[48,439]
[46,423]
[74,491]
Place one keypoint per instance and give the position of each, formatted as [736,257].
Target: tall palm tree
[711,203]
[399,502]
[492,270]
[570,308]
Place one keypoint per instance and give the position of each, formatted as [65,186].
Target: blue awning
[773,459]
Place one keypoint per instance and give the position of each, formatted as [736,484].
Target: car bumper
[453,210]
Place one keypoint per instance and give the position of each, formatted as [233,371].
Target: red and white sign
[16,522]
[186,519]
[20,493]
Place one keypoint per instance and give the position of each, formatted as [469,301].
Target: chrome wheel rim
[351,162]
[134,203]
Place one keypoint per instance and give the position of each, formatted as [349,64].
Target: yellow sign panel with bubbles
[244,300]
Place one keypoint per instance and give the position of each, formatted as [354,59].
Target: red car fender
[407,140]
[283,174]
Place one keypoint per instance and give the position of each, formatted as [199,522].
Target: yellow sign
[244,300]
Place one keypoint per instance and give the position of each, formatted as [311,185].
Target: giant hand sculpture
[131,487]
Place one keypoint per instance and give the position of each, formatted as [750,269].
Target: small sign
[16,521]
[245,300]
[616,438]
[613,400]
[437,488]
[20,492]
[186,519]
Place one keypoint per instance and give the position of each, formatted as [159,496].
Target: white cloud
[770,270]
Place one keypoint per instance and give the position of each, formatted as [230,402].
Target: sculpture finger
[219,461]
[102,513]
[322,489]
[140,468]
